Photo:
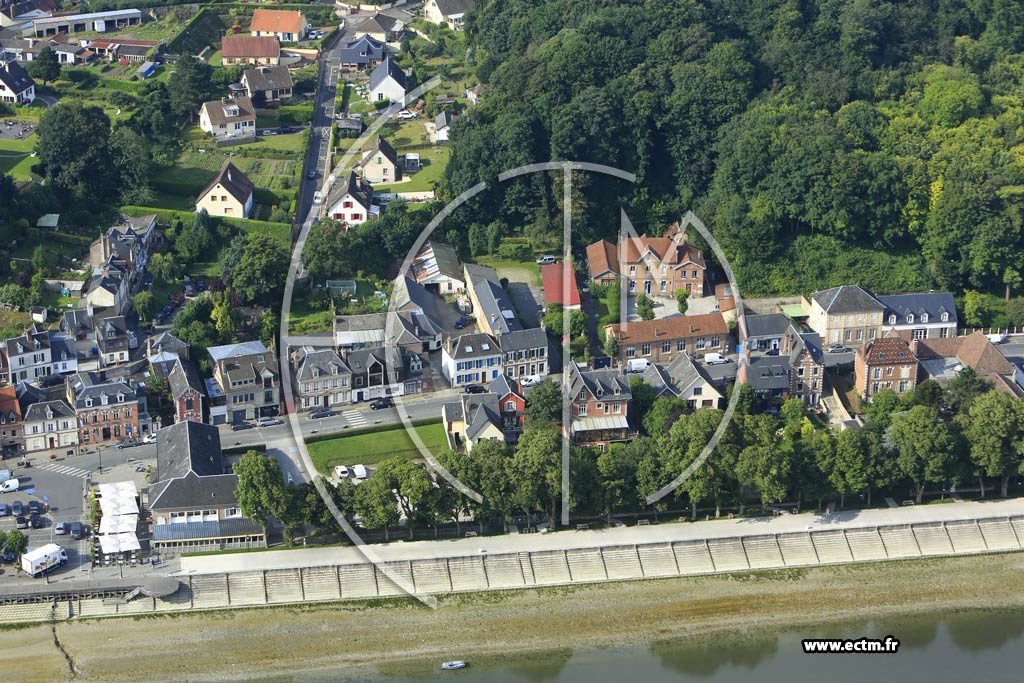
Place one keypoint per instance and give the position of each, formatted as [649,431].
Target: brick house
[12,435]
[106,410]
[660,341]
[886,363]
[600,407]
[187,391]
[511,404]
[655,266]
[246,375]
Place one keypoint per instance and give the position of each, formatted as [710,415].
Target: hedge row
[192,189]
[242,450]
[422,422]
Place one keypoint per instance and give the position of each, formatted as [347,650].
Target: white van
[996,338]
[359,471]
[715,359]
[637,364]
[341,472]
[10,486]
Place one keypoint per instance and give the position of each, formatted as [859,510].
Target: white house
[387,83]
[451,12]
[16,85]
[226,118]
[230,193]
[349,201]
[441,126]
[437,268]
[471,359]
[285,25]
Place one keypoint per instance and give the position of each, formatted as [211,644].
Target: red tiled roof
[677,327]
[250,46]
[276,21]
[886,351]
[553,275]
[603,256]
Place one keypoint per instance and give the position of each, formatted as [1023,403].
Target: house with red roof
[655,266]
[560,285]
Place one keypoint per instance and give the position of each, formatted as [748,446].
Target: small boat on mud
[453,665]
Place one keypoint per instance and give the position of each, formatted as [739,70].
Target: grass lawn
[294,142]
[214,59]
[368,449]
[432,165]
[304,320]
[15,157]
[515,271]
[12,324]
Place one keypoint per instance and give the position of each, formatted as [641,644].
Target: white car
[531,380]
[318,197]
[716,359]
[405,114]
[268,422]
[341,471]
[150,438]
[546,260]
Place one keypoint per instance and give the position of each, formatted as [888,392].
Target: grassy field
[515,271]
[432,165]
[368,449]
[15,157]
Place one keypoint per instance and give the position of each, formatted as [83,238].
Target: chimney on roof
[229,172]
[691,328]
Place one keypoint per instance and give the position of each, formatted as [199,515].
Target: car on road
[17,508]
[36,521]
[318,197]
[150,438]
[716,359]
[341,471]
[5,510]
[78,530]
[546,260]
[238,426]
[462,322]
[7,556]
[838,348]
[60,528]
[127,443]
[318,414]
[311,174]
[476,389]
[382,403]
[406,114]
[21,522]
[268,421]
[531,380]
[35,507]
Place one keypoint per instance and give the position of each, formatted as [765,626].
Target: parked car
[838,348]
[60,528]
[996,337]
[21,523]
[7,556]
[716,359]
[127,443]
[382,403]
[268,421]
[268,131]
[406,114]
[201,285]
[359,471]
[476,389]
[341,471]
[36,521]
[637,364]
[35,507]
[311,174]
[462,322]
[546,260]
[150,438]
[16,508]
[78,530]
[237,426]
[5,510]
[318,414]
[531,380]
[318,197]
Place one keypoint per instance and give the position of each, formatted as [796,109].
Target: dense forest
[823,141]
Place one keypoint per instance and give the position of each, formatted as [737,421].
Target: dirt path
[271,643]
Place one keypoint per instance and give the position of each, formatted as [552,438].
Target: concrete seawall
[969,530]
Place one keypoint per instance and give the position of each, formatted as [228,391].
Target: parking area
[12,129]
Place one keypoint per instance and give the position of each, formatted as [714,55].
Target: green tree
[643,397]
[962,390]
[410,481]
[617,468]
[683,300]
[131,159]
[46,66]
[17,542]
[766,469]
[261,489]
[1015,311]
[260,274]
[977,309]
[375,502]
[951,95]
[852,465]
[554,321]
[662,414]
[535,471]
[611,345]
[146,305]
[188,86]
[223,317]
[924,446]
[165,267]
[74,152]
[544,403]
[645,307]
[1012,279]
[995,431]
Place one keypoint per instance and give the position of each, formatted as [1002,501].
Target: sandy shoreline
[275,643]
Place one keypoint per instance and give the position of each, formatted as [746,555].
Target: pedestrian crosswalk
[355,418]
[65,469]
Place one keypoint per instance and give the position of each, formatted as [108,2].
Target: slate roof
[267,78]
[386,69]
[476,345]
[436,257]
[93,386]
[496,305]
[76,322]
[219,528]
[165,342]
[608,384]
[766,325]
[810,342]
[15,78]
[215,110]
[361,191]
[219,353]
[384,148]
[442,120]
[374,49]
[378,23]
[322,360]
[847,299]
[768,373]
[183,378]
[503,385]
[678,376]
[188,447]
[454,7]
[934,304]
[28,341]
[241,46]
[236,183]
[480,410]
[36,412]
[521,340]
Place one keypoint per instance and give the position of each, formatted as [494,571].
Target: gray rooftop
[847,299]
[477,345]
[934,304]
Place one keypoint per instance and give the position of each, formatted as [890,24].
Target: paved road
[662,533]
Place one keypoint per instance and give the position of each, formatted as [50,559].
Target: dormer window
[945,317]
[334,369]
[38,344]
[88,403]
[910,318]
[924,317]
[259,359]
[104,399]
[892,319]
[120,398]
